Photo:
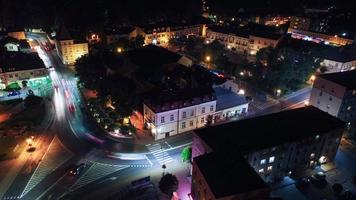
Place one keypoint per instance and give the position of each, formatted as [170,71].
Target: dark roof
[124,30]
[269,130]
[263,31]
[16,61]
[165,101]
[226,176]
[238,31]
[346,79]
[227,99]
[341,54]
[152,56]
[7,39]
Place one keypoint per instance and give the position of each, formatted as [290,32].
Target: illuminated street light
[242,92]
[119,50]
[29,141]
[279,91]
[312,78]
[207,58]
[306,102]
[242,73]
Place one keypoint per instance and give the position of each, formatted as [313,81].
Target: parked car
[76,170]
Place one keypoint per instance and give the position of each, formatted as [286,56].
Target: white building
[170,114]
[340,59]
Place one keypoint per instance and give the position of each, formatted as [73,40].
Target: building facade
[274,145]
[69,51]
[335,94]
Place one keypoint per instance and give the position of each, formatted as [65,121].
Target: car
[71,107]
[76,170]
[14,93]
[319,179]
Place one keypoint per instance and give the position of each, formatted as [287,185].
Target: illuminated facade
[69,51]
[20,35]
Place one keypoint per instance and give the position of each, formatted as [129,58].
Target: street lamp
[279,91]
[119,50]
[29,140]
[312,78]
[242,92]
[207,58]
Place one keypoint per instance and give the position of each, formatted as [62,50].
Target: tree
[168,184]
[138,42]
[32,101]
[337,188]
[186,154]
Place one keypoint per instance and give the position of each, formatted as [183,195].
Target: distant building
[335,94]
[340,59]
[247,40]
[13,44]
[300,23]
[114,34]
[171,113]
[68,49]
[274,145]
[18,34]
[16,67]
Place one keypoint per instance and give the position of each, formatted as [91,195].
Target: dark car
[76,170]
[319,179]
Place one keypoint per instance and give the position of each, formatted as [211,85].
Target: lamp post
[119,50]
[207,60]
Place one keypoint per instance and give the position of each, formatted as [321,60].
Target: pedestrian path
[160,154]
[54,157]
[95,172]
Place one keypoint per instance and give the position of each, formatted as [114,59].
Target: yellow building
[68,49]
[20,35]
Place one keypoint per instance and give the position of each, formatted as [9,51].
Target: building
[170,113]
[318,37]
[16,67]
[335,94]
[68,49]
[235,39]
[300,23]
[114,34]
[248,39]
[215,177]
[18,34]
[340,59]
[274,145]
[228,105]
[13,44]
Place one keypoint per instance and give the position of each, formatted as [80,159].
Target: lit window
[211,108]
[183,125]
[312,155]
[162,119]
[271,159]
[202,120]
[349,108]
[263,161]
[261,171]
[269,168]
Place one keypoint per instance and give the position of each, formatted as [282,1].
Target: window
[271,159]
[261,171]
[184,115]
[330,98]
[263,161]
[203,110]
[162,119]
[269,168]
[202,120]
[328,106]
[212,108]
[172,117]
[192,113]
[183,125]
[191,123]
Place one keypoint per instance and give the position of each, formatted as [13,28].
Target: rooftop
[17,61]
[346,78]
[269,130]
[263,31]
[341,54]
[238,31]
[152,56]
[226,176]
[165,101]
[227,99]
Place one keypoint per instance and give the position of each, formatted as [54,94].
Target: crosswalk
[95,172]
[161,155]
[55,156]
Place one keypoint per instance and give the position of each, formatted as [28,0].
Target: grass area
[11,147]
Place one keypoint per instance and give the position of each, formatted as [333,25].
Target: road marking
[95,172]
[55,183]
[55,156]
[160,154]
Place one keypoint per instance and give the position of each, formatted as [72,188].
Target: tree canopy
[168,184]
